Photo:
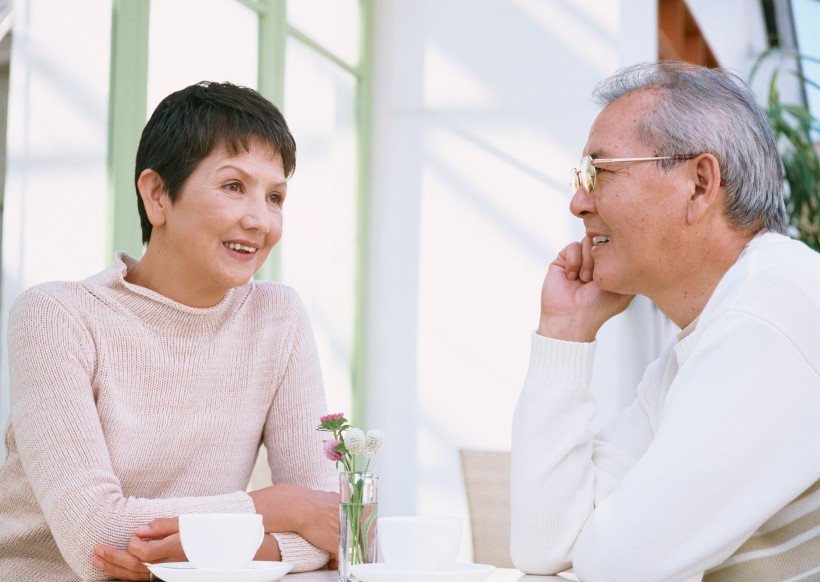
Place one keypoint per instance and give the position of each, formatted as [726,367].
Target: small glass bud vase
[358,510]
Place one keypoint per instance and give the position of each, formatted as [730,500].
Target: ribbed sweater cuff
[236,502]
[302,554]
[561,361]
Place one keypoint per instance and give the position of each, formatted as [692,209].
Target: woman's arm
[62,444]
[302,507]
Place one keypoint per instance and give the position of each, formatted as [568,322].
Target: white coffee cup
[221,541]
[418,543]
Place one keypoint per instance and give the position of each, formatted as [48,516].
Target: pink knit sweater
[127,406]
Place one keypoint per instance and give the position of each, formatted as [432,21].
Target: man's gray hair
[701,110]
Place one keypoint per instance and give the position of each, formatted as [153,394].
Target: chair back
[487,482]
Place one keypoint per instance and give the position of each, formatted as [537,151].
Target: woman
[145,391]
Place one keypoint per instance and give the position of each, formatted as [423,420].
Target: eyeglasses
[587,174]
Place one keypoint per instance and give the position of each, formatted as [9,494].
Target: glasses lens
[588,173]
[574,181]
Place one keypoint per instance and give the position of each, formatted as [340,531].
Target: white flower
[355,441]
[375,438]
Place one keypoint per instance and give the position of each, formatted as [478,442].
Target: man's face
[637,211]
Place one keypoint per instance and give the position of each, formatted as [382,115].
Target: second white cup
[418,543]
[221,541]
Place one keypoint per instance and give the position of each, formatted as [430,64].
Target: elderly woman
[145,391]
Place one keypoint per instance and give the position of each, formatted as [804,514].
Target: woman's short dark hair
[191,123]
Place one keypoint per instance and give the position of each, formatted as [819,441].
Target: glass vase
[358,509]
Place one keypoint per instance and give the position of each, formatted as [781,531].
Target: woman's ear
[706,195]
[152,191]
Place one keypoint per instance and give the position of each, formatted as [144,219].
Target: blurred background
[435,139]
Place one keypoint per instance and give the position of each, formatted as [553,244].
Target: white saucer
[455,573]
[186,572]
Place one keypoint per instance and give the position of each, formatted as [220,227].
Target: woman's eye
[276,198]
[233,186]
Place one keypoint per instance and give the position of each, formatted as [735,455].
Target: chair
[487,482]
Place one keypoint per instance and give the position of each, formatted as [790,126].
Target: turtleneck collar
[159,310]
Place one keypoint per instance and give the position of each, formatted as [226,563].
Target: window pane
[335,25]
[200,40]
[319,241]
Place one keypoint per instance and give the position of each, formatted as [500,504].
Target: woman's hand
[119,563]
[157,541]
[573,307]
[312,514]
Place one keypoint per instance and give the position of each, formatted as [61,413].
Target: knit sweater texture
[712,471]
[128,406]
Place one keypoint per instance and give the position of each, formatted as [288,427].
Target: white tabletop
[499,575]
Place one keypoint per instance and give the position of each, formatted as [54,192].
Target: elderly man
[713,470]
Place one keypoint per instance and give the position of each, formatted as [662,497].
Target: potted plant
[793,126]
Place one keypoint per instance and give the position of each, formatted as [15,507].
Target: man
[714,468]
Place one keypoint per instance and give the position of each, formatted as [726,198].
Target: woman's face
[224,223]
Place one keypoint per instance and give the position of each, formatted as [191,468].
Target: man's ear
[706,195]
[152,191]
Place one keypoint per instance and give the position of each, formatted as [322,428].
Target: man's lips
[599,240]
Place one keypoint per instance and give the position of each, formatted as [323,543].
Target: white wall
[740,50]
[54,224]
[481,108]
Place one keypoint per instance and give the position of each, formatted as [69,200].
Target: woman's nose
[257,215]
[582,204]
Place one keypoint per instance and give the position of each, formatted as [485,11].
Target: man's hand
[573,307]
[312,514]
[157,541]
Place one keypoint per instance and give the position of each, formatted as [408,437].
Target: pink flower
[334,423]
[329,452]
[329,417]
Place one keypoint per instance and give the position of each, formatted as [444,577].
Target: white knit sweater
[722,439]
[127,406]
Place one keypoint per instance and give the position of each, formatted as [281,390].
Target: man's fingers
[587,262]
[573,260]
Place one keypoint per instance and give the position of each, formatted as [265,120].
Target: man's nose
[582,204]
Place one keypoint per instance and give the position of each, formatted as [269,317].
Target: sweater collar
[160,310]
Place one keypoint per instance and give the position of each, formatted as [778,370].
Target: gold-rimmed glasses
[586,175]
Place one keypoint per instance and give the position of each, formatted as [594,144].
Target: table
[499,575]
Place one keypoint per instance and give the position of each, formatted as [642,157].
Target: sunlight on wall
[335,25]
[56,180]
[464,89]
[187,45]
[319,240]
[590,28]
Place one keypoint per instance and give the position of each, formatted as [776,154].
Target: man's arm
[737,440]
[553,475]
